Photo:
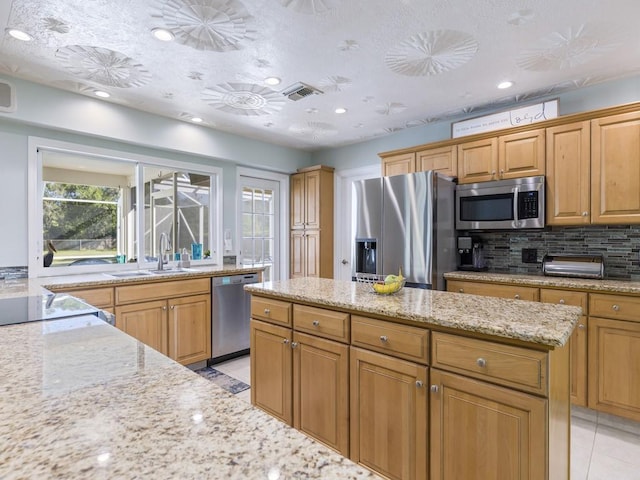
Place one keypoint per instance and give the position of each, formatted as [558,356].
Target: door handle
[344,262]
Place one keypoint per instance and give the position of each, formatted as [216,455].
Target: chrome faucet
[164,238]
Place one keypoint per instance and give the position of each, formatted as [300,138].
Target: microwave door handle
[516,192]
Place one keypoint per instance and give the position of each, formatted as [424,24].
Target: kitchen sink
[169,270]
[131,273]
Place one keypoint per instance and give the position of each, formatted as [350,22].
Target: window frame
[35,211]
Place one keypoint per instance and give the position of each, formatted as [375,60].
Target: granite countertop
[608,286]
[80,399]
[544,324]
[36,286]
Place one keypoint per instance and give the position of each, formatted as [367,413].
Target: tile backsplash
[8,273]
[619,245]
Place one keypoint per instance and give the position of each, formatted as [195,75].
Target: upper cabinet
[443,160]
[615,169]
[498,158]
[398,164]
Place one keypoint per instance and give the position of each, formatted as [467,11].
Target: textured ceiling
[391,64]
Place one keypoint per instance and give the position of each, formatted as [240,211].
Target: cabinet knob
[581,326]
[384,338]
[267,311]
[493,173]
[285,341]
[419,383]
[172,307]
[501,173]
[517,296]
[562,302]
[434,388]
[461,290]
[294,344]
[164,308]
[481,362]
[616,307]
[316,323]
[585,214]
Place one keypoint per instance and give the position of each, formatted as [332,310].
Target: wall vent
[300,90]
[7,97]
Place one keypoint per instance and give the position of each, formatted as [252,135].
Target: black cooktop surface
[34,308]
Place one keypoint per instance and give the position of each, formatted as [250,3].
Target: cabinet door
[298,254]
[443,160]
[478,161]
[147,322]
[297,201]
[190,329]
[321,390]
[614,367]
[399,164]
[312,256]
[615,169]
[568,174]
[521,154]
[312,186]
[501,432]
[388,415]
[577,342]
[271,370]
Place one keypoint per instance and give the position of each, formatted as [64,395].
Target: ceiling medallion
[566,49]
[311,7]
[243,99]
[315,130]
[431,53]
[55,25]
[218,25]
[334,83]
[103,66]
[391,108]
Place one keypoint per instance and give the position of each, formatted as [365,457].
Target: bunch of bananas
[392,283]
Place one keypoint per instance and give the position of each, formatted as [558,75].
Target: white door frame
[344,217]
[283,179]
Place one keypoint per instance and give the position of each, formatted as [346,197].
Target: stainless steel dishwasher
[230,314]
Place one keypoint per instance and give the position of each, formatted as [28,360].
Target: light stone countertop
[604,286]
[34,286]
[544,324]
[80,399]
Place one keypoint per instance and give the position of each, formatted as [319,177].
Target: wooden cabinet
[443,160]
[398,164]
[389,415]
[614,354]
[479,430]
[516,292]
[513,155]
[174,317]
[568,167]
[615,169]
[311,234]
[100,297]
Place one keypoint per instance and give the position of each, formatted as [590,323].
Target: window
[259,228]
[87,216]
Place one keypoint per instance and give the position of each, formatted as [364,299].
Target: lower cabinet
[146,322]
[479,430]
[389,415]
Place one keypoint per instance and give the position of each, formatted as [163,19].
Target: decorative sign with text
[511,118]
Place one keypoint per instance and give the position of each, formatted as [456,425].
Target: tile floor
[603,447]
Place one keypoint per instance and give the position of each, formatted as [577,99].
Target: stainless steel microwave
[501,205]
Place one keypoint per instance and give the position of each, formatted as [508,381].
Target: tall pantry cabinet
[311,231]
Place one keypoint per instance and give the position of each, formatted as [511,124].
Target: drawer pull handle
[517,296]
[285,341]
[616,307]
[294,344]
[267,311]
[316,323]
[481,362]
[434,388]
[384,338]
[419,383]
[562,302]
[581,326]
[461,290]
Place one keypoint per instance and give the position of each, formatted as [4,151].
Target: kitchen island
[419,384]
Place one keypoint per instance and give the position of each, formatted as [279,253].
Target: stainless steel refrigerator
[406,222]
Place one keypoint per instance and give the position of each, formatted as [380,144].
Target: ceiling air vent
[300,90]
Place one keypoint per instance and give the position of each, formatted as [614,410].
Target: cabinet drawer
[565,297]
[274,311]
[98,297]
[614,306]
[321,322]
[404,341]
[514,367]
[494,290]
[161,290]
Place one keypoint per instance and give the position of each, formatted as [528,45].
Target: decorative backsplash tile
[8,273]
[618,244]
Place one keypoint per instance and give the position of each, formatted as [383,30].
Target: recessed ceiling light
[340,110]
[272,81]
[163,34]
[19,34]
[101,94]
[506,84]
[196,120]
